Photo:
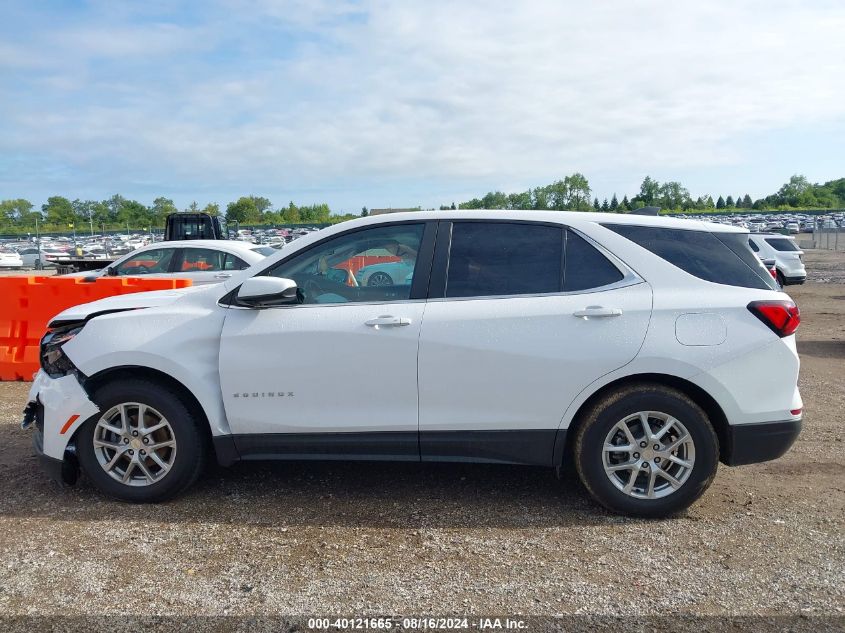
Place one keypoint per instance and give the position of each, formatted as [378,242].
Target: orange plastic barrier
[28,303]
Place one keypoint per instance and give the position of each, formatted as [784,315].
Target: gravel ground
[359,539]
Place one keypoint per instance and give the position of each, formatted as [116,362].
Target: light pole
[38,264]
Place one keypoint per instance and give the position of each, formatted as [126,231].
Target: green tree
[59,211]
[475,203]
[243,211]
[212,209]
[114,204]
[729,202]
[720,203]
[672,195]
[579,191]
[649,191]
[365,212]
[135,215]
[746,202]
[540,198]
[291,214]
[162,207]
[262,204]
[519,200]
[596,205]
[614,203]
[14,211]
[626,205]
[605,206]
[495,200]
[792,191]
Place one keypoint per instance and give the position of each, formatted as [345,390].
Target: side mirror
[111,271]
[262,292]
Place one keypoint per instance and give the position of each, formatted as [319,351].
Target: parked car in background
[642,349]
[201,261]
[771,266]
[10,259]
[384,273]
[786,253]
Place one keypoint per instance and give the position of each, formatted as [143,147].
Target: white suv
[643,349]
[787,254]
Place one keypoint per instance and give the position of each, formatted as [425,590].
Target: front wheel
[145,445]
[646,450]
[380,278]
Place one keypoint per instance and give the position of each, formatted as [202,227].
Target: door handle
[597,311]
[222,275]
[388,321]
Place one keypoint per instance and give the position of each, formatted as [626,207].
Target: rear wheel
[145,444]
[646,450]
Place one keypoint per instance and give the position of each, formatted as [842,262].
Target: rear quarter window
[722,258]
[585,267]
[782,244]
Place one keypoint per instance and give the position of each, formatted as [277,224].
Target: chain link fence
[828,236]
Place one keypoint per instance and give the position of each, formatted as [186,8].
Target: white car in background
[787,254]
[10,259]
[31,256]
[642,349]
[201,261]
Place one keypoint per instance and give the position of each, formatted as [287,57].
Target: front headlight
[53,360]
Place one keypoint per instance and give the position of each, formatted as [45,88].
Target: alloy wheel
[648,455]
[134,444]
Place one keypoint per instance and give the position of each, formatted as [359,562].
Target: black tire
[600,419]
[191,442]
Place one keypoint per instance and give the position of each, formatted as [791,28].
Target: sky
[400,104]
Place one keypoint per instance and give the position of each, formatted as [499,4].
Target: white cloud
[385,92]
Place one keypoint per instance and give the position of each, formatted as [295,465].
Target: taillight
[782,317]
[773,272]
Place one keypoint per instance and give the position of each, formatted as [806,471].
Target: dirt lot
[354,539]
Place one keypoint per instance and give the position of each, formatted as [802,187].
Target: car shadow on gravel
[327,494]
[822,349]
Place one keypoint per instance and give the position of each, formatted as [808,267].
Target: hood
[132,301]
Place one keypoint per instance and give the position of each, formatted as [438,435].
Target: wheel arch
[715,413]
[136,372]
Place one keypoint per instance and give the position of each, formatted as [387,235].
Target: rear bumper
[761,442]
[794,281]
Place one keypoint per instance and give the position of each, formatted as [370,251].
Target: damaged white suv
[645,350]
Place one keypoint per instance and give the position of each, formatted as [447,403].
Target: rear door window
[199,260]
[502,258]
[722,258]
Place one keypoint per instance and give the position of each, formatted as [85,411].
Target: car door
[522,317]
[207,265]
[336,374]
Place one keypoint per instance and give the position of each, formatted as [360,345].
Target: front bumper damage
[56,408]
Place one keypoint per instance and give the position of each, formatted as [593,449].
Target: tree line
[573,193]
[61,214]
